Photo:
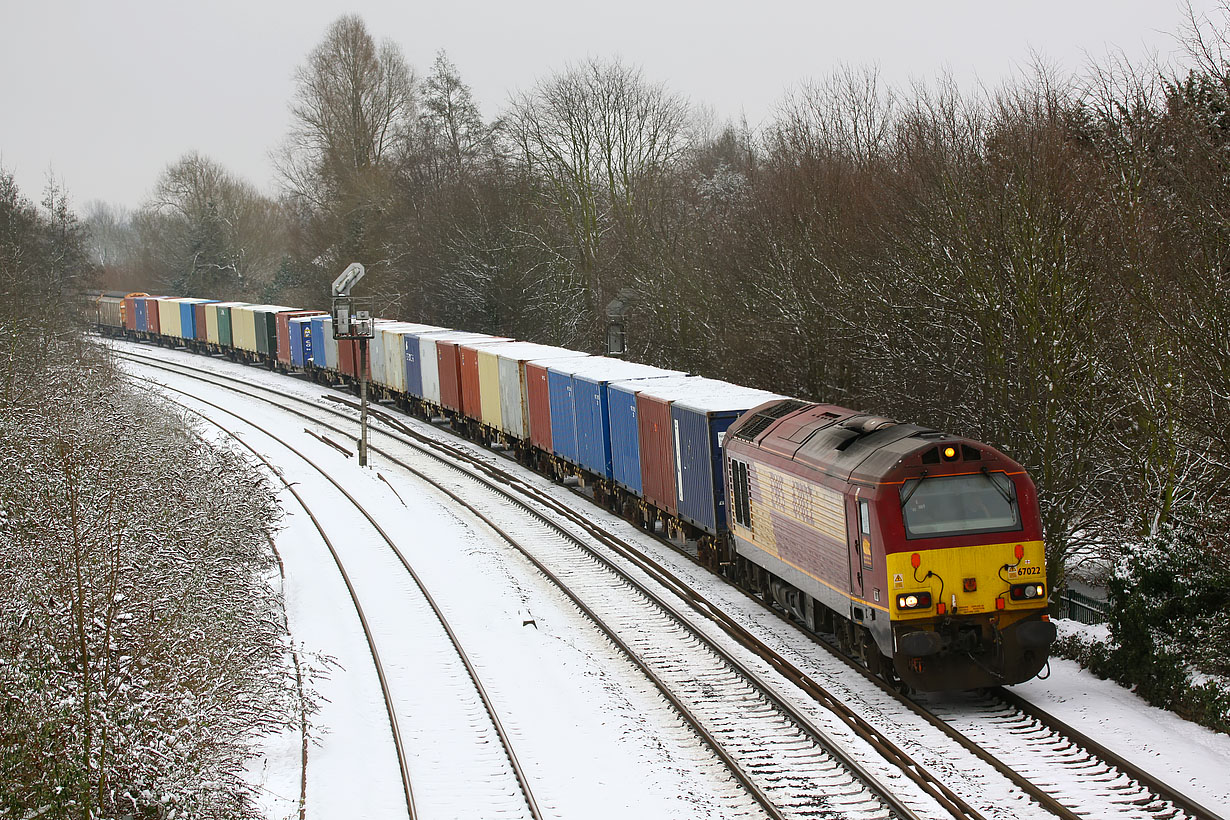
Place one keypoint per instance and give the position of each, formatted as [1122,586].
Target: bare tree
[599,143]
[453,129]
[208,233]
[353,111]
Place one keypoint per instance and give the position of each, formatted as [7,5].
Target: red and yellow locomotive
[921,551]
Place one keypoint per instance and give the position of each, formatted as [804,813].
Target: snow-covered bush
[142,644]
[1168,627]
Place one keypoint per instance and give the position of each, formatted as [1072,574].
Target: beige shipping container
[390,348]
[503,392]
[168,317]
[243,326]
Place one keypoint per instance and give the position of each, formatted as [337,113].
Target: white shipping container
[330,344]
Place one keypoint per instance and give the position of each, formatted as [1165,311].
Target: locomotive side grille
[756,425]
[760,422]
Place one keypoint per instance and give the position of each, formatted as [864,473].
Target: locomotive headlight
[1026,592]
[914,600]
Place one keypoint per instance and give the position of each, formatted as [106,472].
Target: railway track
[457,779]
[1112,787]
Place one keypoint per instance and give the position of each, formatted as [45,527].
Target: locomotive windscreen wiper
[1007,496]
[905,499]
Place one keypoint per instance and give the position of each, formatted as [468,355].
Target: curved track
[524,788]
[781,758]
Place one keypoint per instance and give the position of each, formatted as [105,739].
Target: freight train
[920,551]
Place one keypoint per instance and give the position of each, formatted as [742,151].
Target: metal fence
[1082,608]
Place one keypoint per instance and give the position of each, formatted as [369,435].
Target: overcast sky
[107,94]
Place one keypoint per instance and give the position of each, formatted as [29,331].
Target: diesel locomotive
[921,551]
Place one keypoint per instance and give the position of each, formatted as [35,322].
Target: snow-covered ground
[595,732]
[1189,757]
[596,740]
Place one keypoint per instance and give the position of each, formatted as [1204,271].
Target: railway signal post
[352,321]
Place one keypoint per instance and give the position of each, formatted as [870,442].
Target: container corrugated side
[332,361]
[226,335]
[168,317]
[211,323]
[591,410]
[563,422]
[699,425]
[300,340]
[322,326]
[626,468]
[538,404]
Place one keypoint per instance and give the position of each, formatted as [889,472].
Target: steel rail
[488,704]
[402,762]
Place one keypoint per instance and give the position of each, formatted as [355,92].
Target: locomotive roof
[846,444]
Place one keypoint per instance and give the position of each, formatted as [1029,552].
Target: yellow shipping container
[243,327]
[168,317]
[489,388]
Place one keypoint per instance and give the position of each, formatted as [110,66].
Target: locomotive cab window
[959,505]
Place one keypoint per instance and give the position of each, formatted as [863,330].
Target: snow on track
[598,742]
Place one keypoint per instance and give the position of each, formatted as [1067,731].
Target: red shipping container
[152,323]
[198,321]
[653,422]
[467,360]
[283,322]
[348,354]
[540,405]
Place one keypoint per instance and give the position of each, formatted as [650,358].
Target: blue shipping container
[699,427]
[300,341]
[625,439]
[563,422]
[187,322]
[590,406]
[142,312]
[318,332]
